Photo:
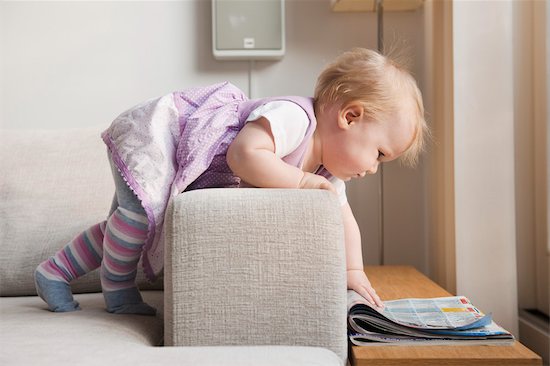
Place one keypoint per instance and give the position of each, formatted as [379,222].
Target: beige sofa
[253,276]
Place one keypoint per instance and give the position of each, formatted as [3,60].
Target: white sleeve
[288,122]
[340,186]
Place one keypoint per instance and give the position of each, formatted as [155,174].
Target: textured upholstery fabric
[255,267]
[53,185]
[31,335]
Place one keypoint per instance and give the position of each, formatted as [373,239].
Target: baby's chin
[341,176]
[348,178]
[345,178]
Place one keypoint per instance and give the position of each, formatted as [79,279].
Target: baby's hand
[314,181]
[358,281]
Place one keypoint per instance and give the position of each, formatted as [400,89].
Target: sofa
[252,276]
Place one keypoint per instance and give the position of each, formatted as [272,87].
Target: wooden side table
[392,282]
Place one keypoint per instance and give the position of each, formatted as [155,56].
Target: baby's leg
[122,246]
[124,238]
[82,255]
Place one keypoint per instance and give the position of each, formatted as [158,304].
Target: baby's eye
[380,154]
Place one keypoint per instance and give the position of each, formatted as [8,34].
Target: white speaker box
[248,29]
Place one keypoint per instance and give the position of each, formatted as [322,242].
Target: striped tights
[116,246]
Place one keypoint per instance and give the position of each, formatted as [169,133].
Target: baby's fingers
[377,299]
[328,186]
[363,292]
[372,297]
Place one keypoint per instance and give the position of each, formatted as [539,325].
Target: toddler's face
[358,146]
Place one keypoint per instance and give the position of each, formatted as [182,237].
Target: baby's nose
[374,169]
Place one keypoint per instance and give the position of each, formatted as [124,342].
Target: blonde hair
[378,82]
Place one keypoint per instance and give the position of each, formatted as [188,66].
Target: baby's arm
[251,156]
[356,277]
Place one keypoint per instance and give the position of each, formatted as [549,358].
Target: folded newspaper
[433,321]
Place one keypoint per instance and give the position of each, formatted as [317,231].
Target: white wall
[484,157]
[82,63]
[2,55]
[73,64]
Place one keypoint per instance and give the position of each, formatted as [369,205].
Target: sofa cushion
[26,318]
[32,335]
[54,184]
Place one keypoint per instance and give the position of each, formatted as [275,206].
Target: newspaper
[427,321]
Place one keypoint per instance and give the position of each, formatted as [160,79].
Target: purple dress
[178,143]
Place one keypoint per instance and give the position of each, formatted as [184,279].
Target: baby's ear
[352,113]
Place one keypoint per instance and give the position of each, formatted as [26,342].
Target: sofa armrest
[255,267]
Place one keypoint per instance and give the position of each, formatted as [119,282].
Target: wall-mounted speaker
[248,29]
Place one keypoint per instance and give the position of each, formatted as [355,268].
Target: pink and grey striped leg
[122,246]
[80,256]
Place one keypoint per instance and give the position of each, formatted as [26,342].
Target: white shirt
[289,122]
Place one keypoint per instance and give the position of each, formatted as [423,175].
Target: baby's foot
[127,301]
[57,294]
